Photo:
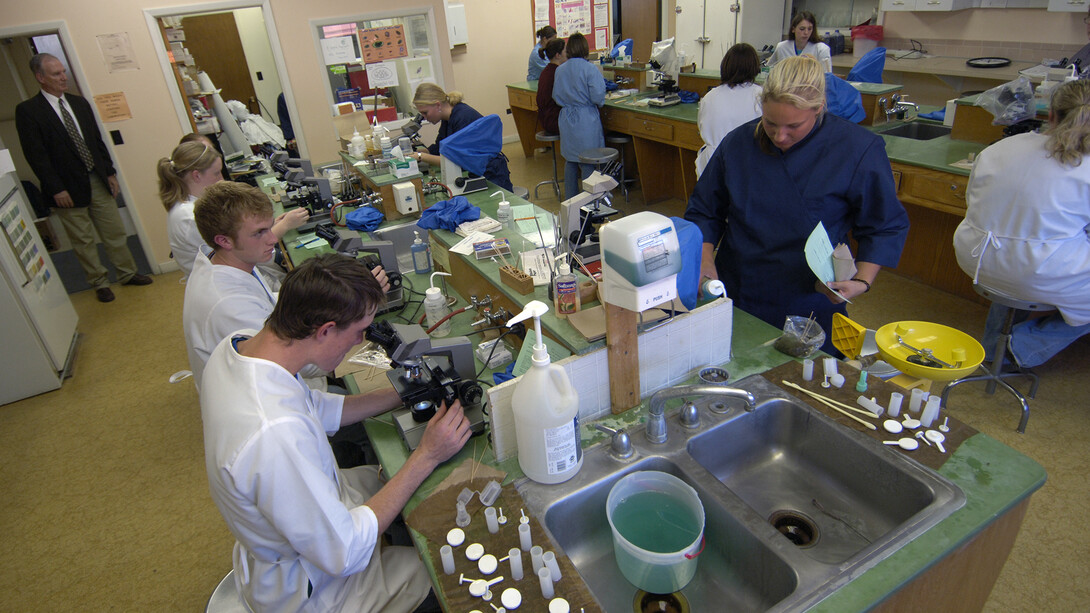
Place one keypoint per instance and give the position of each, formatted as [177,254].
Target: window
[400,51]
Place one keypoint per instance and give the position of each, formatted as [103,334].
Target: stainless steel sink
[917,131]
[834,495]
[842,502]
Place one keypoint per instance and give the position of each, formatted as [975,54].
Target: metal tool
[924,357]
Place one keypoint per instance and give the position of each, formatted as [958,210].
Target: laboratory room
[544,305]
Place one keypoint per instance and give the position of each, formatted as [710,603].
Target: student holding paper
[771,181]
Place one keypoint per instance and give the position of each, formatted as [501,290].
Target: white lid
[432,292]
[474,551]
[563,269]
[456,537]
[417,235]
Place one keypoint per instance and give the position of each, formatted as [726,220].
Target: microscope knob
[470,393]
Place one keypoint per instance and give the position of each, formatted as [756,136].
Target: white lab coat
[786,49]
[185,239]
[1027,229]
[723,109]
[297,518]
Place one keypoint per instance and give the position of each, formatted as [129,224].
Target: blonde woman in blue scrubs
[803,40]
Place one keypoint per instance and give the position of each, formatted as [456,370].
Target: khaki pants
[102,215]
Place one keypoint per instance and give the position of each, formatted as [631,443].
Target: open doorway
[230,48]
[18,83]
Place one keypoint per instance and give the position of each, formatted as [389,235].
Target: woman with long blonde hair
[183,177]
[773,179]
[1026,232]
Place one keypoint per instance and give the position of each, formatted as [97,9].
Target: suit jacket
[51,152]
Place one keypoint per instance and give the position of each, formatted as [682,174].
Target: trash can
[865,38]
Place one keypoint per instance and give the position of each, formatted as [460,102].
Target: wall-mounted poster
[385,43]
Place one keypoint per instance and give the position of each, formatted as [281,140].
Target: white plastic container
[435,307]
[648,511]
[357,147]
[546,411]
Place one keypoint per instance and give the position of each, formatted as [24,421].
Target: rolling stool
[619,141]
[994,370]
[225,598]
[548,137]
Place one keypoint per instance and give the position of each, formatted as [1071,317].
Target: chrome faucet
[900,106]
[656,408]
[620,443]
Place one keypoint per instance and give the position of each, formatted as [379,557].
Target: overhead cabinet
[927,5]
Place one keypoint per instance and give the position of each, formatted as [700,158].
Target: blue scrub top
[759,208]
[536,64]
[579,89]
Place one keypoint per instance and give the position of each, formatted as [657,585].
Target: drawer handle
[954,188]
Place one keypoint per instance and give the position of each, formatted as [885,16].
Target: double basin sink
[796,505]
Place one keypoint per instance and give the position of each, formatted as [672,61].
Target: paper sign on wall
[117,52]
[382,74]
[385,43]
[113,107]
[338,50]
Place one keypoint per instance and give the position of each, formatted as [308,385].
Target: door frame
[60,28]
[181,106]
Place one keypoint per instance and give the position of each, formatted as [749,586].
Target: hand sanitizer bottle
[421,256]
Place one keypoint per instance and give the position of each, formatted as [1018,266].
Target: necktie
[73,133]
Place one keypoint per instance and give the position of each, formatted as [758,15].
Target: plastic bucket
[658,530]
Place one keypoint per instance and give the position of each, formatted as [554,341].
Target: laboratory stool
[602,158]
[521,192]
[619,141]
[226,599]
[549,137]
[994,370]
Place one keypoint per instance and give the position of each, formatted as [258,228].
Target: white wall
[259,58]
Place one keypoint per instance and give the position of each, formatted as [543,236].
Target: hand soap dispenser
[546,411]
[421,256]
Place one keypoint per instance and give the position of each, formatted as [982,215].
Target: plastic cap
[417,235]
[563,269]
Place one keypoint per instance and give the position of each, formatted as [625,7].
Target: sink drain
[646,602]
[798,528]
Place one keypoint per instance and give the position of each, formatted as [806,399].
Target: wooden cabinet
[935,203]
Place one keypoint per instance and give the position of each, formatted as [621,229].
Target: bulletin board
[385,43]
[589,17]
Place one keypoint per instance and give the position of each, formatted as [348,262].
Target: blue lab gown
[579,89]
[760,208]
[535,64]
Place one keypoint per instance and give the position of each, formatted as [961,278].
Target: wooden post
[623,351]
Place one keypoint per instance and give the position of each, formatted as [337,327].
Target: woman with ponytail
[191,167]
[1026,232]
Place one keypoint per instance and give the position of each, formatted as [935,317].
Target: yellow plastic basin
[945,343]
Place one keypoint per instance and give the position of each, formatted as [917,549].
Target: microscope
[352,245]
[667,66]
[580,214]
[428,372]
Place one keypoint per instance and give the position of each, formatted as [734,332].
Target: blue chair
[869,67]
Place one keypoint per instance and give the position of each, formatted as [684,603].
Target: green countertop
[936,154]
[994,477]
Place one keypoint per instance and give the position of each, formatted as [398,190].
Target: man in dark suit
[62,143]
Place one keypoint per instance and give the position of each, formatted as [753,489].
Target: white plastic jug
[658,530]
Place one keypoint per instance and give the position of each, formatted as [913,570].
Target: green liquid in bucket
[656,522]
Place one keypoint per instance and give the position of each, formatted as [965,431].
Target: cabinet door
[945,5]
[1067,6]
[898,5]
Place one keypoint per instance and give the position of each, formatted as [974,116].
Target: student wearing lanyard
[226,290]
[803,40]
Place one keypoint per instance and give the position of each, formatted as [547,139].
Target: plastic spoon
[936,437]
[907,443]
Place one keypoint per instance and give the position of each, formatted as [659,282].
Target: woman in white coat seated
[732,103]
[803,39]
[192,167]
[1027,229]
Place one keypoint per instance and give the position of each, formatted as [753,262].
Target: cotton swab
[829,403]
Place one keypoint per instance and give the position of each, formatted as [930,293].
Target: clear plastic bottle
[566,292]
[546,412]
[357,147]
[435,307]
[421,256]
[387,147]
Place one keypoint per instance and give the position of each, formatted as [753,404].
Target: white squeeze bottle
[546,410]
[435,307]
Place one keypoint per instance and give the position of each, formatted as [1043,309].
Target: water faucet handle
[690,415]
[620,442]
